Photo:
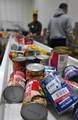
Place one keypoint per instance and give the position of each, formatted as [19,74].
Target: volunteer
[59,27]
[35,27]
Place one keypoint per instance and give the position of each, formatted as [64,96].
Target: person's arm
[48,30]
[69,29]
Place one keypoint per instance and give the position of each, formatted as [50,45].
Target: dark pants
[57,42]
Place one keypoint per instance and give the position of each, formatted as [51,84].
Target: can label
[17,66]
[58,60]
[62,62]
[70,72]
[43,59]
[34,75]
[73,85]
[16,80]
[59,93]
[50,71]
[34,93]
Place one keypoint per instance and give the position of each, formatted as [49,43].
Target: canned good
[34,111]
[50,71]
[59,58]
[73,86]
[34,93]
[30,59]
[59,93]
[29,52]
[14,91]
[35,71]
[13,47]
[19,63]
[43,59]
[12,54]
[28,41]
[75,112]
[71,73]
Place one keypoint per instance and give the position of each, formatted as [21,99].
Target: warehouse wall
[15,12]
[47,8]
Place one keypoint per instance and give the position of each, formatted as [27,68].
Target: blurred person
[60,27]
[35,27]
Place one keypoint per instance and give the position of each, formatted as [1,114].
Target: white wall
[47,8]
[18,11]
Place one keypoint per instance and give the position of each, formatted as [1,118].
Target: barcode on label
[61,93]
[62,58]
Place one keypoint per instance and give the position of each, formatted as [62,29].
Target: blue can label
[59,93]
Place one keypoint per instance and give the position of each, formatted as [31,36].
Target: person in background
[35,27]
[59,27]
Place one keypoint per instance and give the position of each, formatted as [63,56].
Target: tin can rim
[42,57]
[35,67]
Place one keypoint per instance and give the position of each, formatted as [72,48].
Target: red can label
[58,60]
[33,92]
[16,80]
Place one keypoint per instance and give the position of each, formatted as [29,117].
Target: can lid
[35,67]
[34,111]
[19,59]
[31,58]
[13,94]
[62,50]
[42,57]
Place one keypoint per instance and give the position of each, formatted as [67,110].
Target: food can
[43,59]
[71,73]
[49,70]
[59,58]
[30,59]
[73,86]
[34,111]
[29,52]
[14,91]
[19,63]
[12,54]
[34,93]
[75,112]
[28,41]
[59,93]
[14,47]
[34,71]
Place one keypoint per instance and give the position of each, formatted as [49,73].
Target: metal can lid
[19,59]
[61,50]
[13,94]
[31,58]
[42,57]
[35,67]
[34,111]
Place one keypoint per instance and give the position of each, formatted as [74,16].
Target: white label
[52,86]
[17,80]
[60,93]
[62,61]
